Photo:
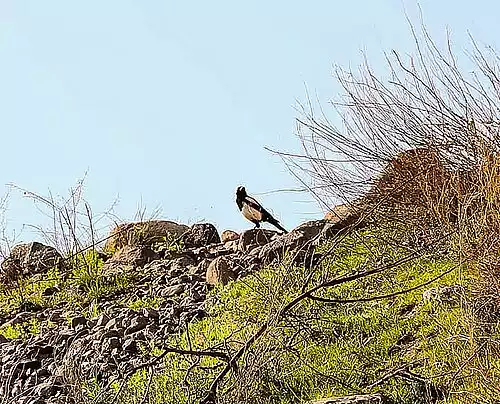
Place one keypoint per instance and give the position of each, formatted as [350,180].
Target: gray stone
[180,266]
[110,344]
[29,259]
[130,345]
[220,271]
[102,320]
[172,290]
[255,237]
[144,233]
[136,256]
[200,235]
[229,235]
[76,321]
[138,323]
[50,291]
[150,313]
[201,268]
[114,323]
[299,239]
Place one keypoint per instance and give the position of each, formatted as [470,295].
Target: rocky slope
[50,347]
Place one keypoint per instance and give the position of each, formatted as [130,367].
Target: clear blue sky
[170,103]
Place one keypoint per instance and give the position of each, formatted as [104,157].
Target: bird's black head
[241,192]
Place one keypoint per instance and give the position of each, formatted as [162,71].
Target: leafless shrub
[420,147]
[72,222]
[426,105]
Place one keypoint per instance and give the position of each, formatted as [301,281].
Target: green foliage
[170,243]
[21,330]
[86,282]
[13,331]
[330,349]
[146,302]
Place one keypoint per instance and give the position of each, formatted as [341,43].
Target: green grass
[22,330]
[146,302]
[79,290]
[320,350]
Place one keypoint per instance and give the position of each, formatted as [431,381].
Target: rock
[130,345]
[443,294]
[180,266]
[17,319]
[150,313]
[76,321]
[113,324]
[200,235]
[136,256]
[220,271]
[202,267]
[172,290]
[42,351]
[144,233]
[29,259]
[345,215]
[229,235]
[110,344]
[50,291]
[47,389]
[255,237]
[138,323]
[300,243]
[357,399]
[102,320]
[297,238]
[30,306]
[232,245]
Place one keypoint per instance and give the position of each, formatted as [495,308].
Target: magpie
[253,210]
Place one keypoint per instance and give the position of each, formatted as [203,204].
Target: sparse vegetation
[146,302]
[346,346]
[406,306]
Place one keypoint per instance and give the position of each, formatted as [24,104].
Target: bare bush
[427,105]
[420,147]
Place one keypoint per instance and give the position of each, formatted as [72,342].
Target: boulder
[345,215]
[29,259]
[296,239]
[255,237]
[200,235]
[144,233]
[220,271]
[136,256]
[229,235]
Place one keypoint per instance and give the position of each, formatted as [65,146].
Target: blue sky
[170,103]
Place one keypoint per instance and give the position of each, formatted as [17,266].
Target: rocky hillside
[66,323]
[391,299]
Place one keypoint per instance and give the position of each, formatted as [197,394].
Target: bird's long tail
[276,224]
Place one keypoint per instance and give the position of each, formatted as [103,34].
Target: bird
[254,211]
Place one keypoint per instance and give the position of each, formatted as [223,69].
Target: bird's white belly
[250,213]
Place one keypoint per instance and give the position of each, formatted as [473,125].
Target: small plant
[146,302]
[22,330]
[13,331]
[331,349]
[169,243]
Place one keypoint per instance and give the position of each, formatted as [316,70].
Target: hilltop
[359,305]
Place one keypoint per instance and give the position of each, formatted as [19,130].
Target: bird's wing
[254,204]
